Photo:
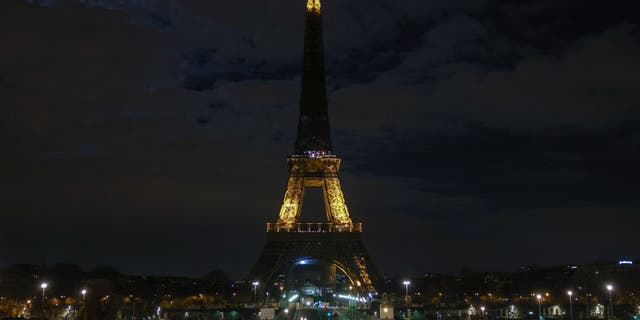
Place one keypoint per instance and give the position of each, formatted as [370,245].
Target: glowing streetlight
[44,286]
[406,296]
[610,290]
[539,297]
[84,304]
[570,294]
[482,308]
[406,291]
[255,291]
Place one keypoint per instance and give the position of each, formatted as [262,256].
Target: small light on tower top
[313,5]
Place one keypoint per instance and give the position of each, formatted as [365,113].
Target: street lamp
[44,286]
[482,308]
[84,303]
[570,294]
[610,289]
[539,297]
[406,291]
[406,296]
[255,291]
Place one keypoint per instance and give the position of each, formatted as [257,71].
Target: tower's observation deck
[314,227]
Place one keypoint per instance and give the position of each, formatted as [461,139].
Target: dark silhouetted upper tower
[313,124]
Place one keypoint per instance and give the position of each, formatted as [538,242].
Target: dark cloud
[152,135]
[508,169]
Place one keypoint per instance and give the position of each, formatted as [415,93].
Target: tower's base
[344,250]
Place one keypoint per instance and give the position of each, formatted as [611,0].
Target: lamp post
[482,309]
[539,297]
[406,296]
[44,286]
[610,290]
[84,303]
[255,292]
[255,298]
[570,294]
[29,307]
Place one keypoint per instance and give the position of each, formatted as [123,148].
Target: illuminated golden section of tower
[314,172]
[313,5]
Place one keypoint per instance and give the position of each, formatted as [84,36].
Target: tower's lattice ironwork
[313,164]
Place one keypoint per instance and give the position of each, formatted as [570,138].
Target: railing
[306,227]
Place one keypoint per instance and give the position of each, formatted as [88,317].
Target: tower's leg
[335,201]
[290,210]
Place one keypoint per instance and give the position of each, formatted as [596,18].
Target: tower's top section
[314,138]
[313,5]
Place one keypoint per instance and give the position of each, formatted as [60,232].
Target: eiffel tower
[337,242]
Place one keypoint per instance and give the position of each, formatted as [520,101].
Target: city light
[255,292]
[406,287]
[44,286]
[610,290]
[303,262]
[570,294]
[406,296]
[539,297]
[352,298]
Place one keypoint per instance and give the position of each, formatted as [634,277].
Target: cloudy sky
[152,135]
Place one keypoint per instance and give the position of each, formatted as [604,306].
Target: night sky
[152,135]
